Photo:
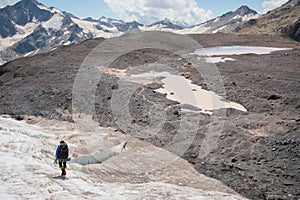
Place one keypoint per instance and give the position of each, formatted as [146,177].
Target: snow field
[27,169]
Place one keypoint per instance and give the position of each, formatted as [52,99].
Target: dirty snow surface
[27,171]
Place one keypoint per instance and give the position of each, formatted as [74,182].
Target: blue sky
[148,11]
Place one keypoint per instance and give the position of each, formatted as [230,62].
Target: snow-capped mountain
[224,23]
[110,27]
[166,23]
[29,27]
[106,27]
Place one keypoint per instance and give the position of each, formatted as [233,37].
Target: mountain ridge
[30,27]
[283,20]
[228,21]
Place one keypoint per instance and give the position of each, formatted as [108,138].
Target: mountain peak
[27,2]
[245,10]
[166,20]
[167,23]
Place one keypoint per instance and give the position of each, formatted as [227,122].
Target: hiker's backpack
[63,151]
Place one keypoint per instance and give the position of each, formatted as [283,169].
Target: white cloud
[149,11]
[271,4]
[4,3]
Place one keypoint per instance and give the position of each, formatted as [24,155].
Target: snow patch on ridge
[91,27]
[194,30]
[40,6]
[250,16]
[22,32]
[55,22]
[219,29]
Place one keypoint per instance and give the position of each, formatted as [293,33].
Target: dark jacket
[62,151]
